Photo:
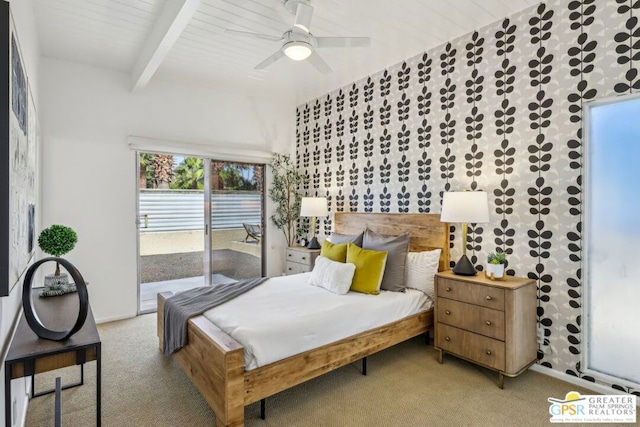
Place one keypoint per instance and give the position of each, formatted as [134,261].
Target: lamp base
[313,244]
[464,267]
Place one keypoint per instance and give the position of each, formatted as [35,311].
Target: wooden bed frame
[214,361]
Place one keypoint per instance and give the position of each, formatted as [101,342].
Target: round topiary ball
[57,240]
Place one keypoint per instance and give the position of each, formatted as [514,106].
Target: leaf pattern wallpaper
[498,110]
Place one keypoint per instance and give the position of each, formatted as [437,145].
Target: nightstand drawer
[295,268]
[486,296]
[481,320]
[477,348]
[300,257]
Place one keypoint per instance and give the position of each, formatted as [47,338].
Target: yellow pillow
[369,269]
[334,251]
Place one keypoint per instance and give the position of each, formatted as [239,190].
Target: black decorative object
[464,267]
[313,244]
[32,317]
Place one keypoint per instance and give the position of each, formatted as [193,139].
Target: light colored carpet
[405,386]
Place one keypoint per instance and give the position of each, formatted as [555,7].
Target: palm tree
[237,176]
[257,176]
[162,170]
[145,178]
[189,175]
[231,177]
[216,182]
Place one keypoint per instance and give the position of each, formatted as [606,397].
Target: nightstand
[300,259]
[490,323]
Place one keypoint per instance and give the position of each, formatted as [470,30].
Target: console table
[29,355]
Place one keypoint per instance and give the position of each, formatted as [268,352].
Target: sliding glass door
[199,223]
[236,200]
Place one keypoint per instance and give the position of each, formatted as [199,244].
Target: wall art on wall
[18,144]
[18,86]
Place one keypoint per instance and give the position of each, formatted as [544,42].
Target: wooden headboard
[426,230]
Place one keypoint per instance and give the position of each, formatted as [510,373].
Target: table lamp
[465,207]
[314,207]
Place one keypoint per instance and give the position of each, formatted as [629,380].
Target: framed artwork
[18,145]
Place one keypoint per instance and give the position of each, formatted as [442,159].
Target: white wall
[11,305]
[89,171]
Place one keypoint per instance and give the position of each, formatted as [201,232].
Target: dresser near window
[300,259]
[490,323]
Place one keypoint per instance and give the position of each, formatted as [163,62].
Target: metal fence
[182,210]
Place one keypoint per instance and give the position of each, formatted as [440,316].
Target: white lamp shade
[297,51]
[314,206]
[465,207]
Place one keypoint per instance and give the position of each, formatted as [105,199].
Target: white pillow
[420,270]
[332,275]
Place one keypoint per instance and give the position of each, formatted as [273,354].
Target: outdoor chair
[254,231]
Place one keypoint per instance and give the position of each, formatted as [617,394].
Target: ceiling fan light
[298,51]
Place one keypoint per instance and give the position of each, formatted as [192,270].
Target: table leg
[98,386]
[7,395]
[58,404]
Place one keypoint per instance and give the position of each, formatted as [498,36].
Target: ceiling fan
[298,43]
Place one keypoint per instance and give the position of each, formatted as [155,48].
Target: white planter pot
[53,281]
[495,271]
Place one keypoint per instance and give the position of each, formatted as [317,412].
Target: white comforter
[286,316]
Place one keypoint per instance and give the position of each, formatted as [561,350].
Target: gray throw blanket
[179,308]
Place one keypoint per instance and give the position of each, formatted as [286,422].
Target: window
[612,240]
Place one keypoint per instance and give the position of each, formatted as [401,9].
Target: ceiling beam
[171,22]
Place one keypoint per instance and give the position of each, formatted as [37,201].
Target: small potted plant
[57,240]
[495,265]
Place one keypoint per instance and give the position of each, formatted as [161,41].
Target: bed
[215,362]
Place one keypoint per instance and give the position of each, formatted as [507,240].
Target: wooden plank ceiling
[122,34]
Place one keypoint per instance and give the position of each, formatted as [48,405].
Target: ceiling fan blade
[253,35]
[343,41]
[304,13]
[317,61]
[270,60]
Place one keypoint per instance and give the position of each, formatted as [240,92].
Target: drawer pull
[488,322]
[489,298]
[447,312]
[289,268]
[304,257]
[288,254]
[488,352]
[448,289]
[447,338]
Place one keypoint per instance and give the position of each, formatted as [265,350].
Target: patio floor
[182,271]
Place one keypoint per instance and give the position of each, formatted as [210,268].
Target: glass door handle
[143,219]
